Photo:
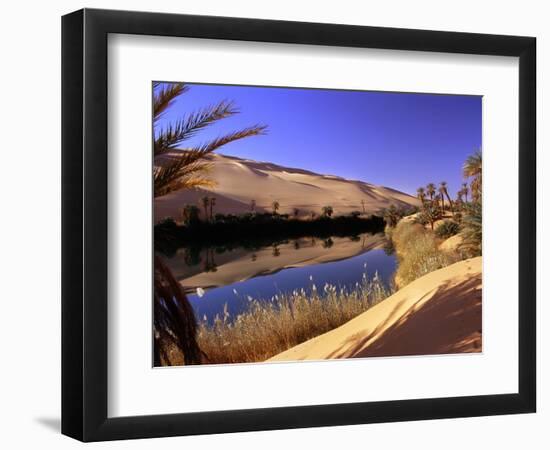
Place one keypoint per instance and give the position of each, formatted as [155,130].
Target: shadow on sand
[450,322]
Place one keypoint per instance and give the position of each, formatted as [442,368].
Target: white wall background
[30,226]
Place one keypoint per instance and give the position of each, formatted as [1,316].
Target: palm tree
[210,263]
[391,216]
[190,214]
[472,230]
[438,200]
[212,204]
[327,211]
[183,169]
[465,191]
[205,202]
[421,194]
[445,192]
[363,205]
[458,204]
[296,212]
[328,242]
[430,214]
[441,191]
[174,322]
[430,189]
[472,169]
[275,205]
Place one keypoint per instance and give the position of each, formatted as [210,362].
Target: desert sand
[452,243]
[239,181]
[435,314]
[240,264]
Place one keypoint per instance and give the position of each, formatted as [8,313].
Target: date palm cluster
[435,201]
[466,208]
[436,197]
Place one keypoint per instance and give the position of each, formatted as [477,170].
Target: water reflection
[219,266]
[232,275]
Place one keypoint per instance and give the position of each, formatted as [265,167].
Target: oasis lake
[214,277]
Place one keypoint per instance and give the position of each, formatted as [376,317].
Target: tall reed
[271,326]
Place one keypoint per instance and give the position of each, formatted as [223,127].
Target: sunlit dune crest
[239,181]
[436,314]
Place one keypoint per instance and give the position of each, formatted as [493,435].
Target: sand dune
[435,314]
[452,244]
[238,181]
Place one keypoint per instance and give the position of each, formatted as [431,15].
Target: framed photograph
[273,224]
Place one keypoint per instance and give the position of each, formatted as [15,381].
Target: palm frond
[187,172]
[472,165]
[175,133]
[166,95]
[190,182]
[473,169]
[214,144]
[187,168]
[174,321]
[472,228]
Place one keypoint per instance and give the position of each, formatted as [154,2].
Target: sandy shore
[435,314]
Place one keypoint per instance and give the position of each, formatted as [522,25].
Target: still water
[215,277]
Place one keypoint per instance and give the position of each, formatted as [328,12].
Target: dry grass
[418,252]
[271,326]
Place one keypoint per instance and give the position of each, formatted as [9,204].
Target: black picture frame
[84,224]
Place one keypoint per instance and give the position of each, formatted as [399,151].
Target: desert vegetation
[446,229]
[393,214]
[259,228]
[418,252]
[418,242]
[174,323]
[210,235]
[472,230]
[269,327]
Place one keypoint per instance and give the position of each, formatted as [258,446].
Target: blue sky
[398,140]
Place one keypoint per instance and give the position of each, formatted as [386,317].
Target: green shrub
[446,229]
[472,230]
[429,214]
